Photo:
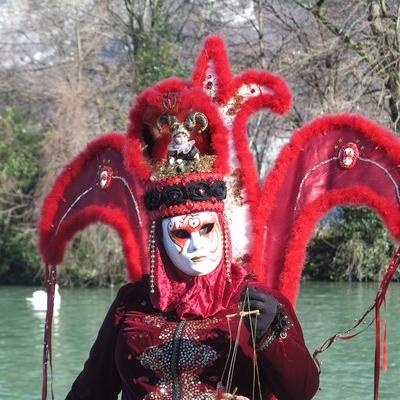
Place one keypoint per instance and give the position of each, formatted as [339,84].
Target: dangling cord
[347,334]
[229,351]
[253,330]
[234,354]
[232,364]
[152,252]
[51,279]
[380,299]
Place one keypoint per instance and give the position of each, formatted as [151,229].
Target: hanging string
[229,351]
[380,299]
[347,334]
[343,335]
[232,355]
[253,330]
[50,284]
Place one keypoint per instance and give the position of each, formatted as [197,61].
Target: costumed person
[171,336]
[215,259]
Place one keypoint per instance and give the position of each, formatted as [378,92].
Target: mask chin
[195,268]
[193,242]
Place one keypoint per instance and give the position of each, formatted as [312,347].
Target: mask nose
[195,242]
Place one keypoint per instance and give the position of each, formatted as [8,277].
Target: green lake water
[323,309]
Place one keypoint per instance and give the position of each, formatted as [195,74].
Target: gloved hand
[265,303]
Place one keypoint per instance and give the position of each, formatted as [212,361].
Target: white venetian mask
[193,242]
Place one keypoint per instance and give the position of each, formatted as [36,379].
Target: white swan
[39,299]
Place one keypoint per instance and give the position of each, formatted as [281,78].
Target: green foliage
[93,259]
[355,246]
[19,174]
[19,152]
[157,56]
[156,62]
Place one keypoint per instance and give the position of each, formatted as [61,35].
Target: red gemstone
[105,177]
[348,155]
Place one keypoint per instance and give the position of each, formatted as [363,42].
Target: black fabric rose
[199,191]
[173,195]
[152,200]
[218,190]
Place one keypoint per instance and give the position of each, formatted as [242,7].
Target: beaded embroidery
[177,359]
[279,327]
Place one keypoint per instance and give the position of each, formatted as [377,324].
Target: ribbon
[348,333]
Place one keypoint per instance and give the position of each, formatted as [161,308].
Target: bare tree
[337,56]
[365,43]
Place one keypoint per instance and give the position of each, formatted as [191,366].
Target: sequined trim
[367,160]
[308,173]
[73,205]
[134,201]
[387,172]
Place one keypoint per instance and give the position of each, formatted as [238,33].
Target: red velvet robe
[152,355]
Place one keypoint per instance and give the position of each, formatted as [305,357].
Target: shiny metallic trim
[308,173]
[135,203]
[73,205]
[367,160]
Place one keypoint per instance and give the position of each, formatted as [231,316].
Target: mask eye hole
[181,234]
[206,228]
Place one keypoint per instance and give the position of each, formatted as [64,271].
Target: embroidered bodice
[149,355]
[181,359]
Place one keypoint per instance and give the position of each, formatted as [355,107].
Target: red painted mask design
[193,242]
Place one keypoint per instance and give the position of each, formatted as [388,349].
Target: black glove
[265,303]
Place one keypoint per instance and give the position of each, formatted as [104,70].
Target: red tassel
[385,350]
